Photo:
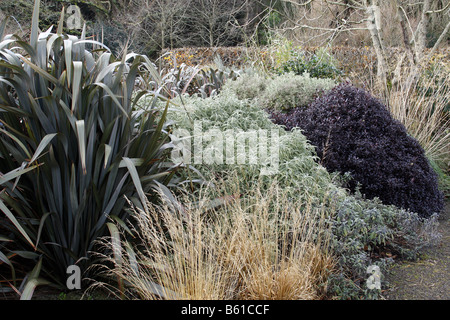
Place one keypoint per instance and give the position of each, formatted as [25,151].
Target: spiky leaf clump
[67,112]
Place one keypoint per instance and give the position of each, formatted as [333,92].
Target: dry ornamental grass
[258,247]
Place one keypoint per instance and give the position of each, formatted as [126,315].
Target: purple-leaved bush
[354,132]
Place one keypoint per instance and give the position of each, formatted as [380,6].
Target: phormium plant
[71,147]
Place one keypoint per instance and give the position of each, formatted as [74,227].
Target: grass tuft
[261,246]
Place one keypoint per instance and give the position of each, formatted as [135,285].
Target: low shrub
[296,157]
[185,78]
[319,65]
[289,91]
[368,233]
[250,85]
[283,92]
[354,132]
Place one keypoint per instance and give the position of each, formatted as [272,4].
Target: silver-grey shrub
[298,168]
[282,92]
[288,91]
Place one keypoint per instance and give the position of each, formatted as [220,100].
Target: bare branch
[356,5]
[440,39]
[447,6]
[298,4]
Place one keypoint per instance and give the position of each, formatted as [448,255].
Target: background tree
[160,24]
[214,21]
[409,23]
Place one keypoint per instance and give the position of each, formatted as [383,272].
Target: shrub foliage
[363,231]
[321,65]
[354,132]
[282,92]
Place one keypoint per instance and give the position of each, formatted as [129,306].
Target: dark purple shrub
[354,132]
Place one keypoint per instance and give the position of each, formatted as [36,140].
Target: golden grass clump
[259,246]
[421,105]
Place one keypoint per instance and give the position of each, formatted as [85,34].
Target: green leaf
[41,71]
[41,226]
[132,258]
[61,22]
[15,173]
[164,191]
[9,263]
[77,72]
[92,42]
[27,254]
[28,291]
[35,24]
[16,223]
[115,242]
[3,238]
[108,70]
[18,141]
[112,202]
[68,60]
[136,162]
[113,96]
[122,224]
[2,27]
[81,143]
[108,151]
[83,32]
[33,281]
[42,145]
[137,183]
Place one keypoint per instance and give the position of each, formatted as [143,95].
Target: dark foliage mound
[354,132]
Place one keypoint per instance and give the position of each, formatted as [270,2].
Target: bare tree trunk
[211,33]
[403,20]
[374,26]
[421,41]
[440,39]
[163,38]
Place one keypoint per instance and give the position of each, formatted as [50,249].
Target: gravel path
[428,278]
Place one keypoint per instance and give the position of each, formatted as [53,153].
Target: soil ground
[428,278]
